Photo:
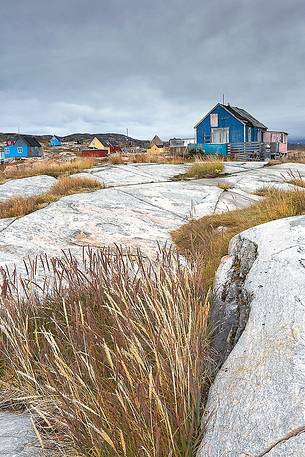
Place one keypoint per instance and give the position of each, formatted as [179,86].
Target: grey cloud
[155,67]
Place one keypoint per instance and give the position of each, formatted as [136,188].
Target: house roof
[30,140]
[106,142]
[56,137]
[156,140]
[244,116]
[239,113]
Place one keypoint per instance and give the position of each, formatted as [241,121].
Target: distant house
[179,146]
[101,144]
[156,141]
[24,146]
[156,149]
[231,130]
[55,141]
[97,143]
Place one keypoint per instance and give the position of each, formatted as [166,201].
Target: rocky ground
[139,208]
[256,405]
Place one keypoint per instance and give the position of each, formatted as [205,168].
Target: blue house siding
[55,141]
[242,126]
[210,149]
[225,119]
[13,151]
[24,146]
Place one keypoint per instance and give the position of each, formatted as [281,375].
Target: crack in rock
[287,437]
[231,302]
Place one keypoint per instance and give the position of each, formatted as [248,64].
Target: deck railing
[248,151]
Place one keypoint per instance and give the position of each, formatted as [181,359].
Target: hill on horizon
[116,138]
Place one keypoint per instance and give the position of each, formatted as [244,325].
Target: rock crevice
[231,301]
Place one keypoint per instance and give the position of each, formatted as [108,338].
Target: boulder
[256,405]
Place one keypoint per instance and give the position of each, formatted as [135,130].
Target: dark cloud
[154,67]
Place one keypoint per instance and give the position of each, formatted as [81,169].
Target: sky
[154,67]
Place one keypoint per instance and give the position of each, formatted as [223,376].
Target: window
[220,136]
[6,151]
[20,150]
[214,120]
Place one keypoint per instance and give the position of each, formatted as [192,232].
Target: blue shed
[226,124]
[24,146]
[55,141]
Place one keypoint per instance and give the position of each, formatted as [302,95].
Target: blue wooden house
[24,146]
[227,127]
[55,141]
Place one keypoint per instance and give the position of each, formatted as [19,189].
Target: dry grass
[114,356]
[289,159]
[116,159]
[151,158]
[17,206]
[72,185]
[47,167]
[20,206]
[300,182]
[208,237]
[296,179]
[203,169]
[224,186]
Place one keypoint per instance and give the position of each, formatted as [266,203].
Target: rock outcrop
[256,406]
[26,187]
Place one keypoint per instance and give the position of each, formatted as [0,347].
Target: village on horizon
[226,131]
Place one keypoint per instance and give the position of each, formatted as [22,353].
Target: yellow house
[96,143]
[156,149]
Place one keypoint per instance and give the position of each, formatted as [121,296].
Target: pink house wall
[277,137]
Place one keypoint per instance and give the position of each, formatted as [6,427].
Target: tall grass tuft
[66,185]
[113,354]
[203,169]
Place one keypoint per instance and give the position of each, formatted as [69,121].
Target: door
[220,136]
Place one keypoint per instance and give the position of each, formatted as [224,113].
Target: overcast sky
[152,66]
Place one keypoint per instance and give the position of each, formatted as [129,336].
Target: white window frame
[19,149]
[224,135]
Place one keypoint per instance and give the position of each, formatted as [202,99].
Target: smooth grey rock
[131,212]
[17,437]
[26,187]
[256,406]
